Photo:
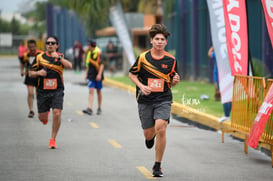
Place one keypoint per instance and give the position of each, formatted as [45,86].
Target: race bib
[157,85]
[50,84]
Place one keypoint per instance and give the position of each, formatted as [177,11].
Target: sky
[16,6]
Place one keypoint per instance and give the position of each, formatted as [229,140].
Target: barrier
[248,95]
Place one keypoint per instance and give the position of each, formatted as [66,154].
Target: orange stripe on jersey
[152,69]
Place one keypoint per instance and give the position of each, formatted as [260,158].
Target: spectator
[112,55]
[21,50]
[78,53]
[94,76]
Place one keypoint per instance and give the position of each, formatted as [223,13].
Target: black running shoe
[99,111]
[87,111]
[150,143]
[31,114]
[157,172]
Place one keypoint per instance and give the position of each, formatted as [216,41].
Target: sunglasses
[51,42]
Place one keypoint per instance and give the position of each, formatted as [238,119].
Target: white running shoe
[222,119]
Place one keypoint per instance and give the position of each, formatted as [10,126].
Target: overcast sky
[16,6]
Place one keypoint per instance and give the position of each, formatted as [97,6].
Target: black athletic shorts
[49,99]
[31,81]
[21,59]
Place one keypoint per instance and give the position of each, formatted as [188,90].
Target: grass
[189,93]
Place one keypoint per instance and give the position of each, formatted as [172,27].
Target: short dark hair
[92,43]
[31,41]
[52,36]
[159,29]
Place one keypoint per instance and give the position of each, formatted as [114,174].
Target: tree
[95,13]
[4,26]
[38,13]
[15,26]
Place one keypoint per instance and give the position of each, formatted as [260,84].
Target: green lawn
[188,93]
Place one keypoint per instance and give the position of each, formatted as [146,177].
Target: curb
[189,113]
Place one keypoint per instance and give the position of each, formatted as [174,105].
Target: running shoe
[224,118]
[87,111]
[150,143]
[52,144]
[99,111]
[31,114]
[157,171]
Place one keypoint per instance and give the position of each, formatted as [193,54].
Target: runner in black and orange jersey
[154,72]
[30,82]
[48,67]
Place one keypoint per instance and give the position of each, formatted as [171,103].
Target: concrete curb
[189,113]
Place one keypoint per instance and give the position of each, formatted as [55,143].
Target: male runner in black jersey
[30,82]
[48,67]
[154,72]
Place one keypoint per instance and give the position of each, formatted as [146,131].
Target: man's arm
[41,73]
[67,64]
[176,79]
[144,89]
[99,75]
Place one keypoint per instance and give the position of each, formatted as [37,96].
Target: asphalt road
[109,146]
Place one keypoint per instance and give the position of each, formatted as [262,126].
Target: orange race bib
[157,85]
[50,84]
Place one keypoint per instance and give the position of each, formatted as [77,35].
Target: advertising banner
[261,119]
[218,34]
[237,35]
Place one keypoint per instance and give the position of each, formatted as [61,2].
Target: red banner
[236,34]
[268,13]
[261,119]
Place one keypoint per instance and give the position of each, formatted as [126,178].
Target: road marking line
[79,113]
[145,172]
[94,125]
[114,143]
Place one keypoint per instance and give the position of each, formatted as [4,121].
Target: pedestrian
[78,53]
[154,72]
[30,82]
[112,55]
[227,105]
[49,67]
[21,50]
[211,55]
[94,76]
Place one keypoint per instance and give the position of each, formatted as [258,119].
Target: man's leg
[99,98]
[80,64]
[43,117]
[90,98]
[160,131]
[149,133]
[30,90]
[56,122]
[75,64]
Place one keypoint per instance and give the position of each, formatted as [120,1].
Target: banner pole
[250,70]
